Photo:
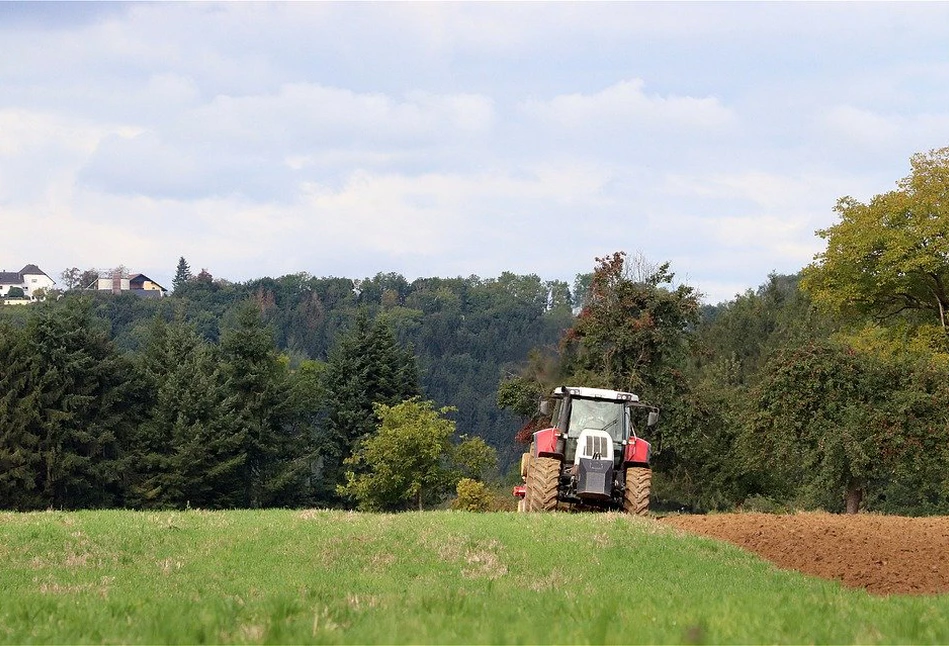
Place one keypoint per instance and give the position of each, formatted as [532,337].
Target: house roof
[33,270]
[139,278]
[10,278]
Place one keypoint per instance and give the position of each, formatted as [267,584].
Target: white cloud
[768,190]
[304,113]
[252,145]
[862,126]
[625,104]
[435,138]
[39,152]
[436,214]
[714,291]
[886,133]
[25,130]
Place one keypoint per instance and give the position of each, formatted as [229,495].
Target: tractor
[590,457]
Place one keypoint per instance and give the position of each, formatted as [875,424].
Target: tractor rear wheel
[543,476]
[638,484]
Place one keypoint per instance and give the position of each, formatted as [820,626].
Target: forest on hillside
[825,389]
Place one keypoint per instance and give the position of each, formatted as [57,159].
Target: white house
[30,279]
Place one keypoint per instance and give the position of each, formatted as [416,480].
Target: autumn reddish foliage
[524,435]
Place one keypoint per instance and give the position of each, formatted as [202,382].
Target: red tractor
[590,457]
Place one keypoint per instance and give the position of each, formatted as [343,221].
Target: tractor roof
[595,393]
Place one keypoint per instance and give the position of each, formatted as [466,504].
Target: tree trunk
[854,497]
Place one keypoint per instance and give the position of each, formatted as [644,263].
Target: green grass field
[434,577]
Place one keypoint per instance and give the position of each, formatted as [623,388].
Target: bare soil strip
[884,554]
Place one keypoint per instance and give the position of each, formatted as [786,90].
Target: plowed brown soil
[884,554]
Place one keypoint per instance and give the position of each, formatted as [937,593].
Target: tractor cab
[594,422]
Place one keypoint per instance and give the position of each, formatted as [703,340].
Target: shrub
[473,495]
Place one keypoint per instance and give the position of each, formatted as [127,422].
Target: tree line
[186,422]
[828,388]
[466,333]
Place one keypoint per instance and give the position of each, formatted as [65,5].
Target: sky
[456,139]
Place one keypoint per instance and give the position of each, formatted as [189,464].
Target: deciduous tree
[406,461]
[630,331]
[831,427]
[70,277]
[632,335]
[890,256]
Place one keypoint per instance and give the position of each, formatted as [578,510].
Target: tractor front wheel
[543,474]
[524,503]
[638,484]
[525,461]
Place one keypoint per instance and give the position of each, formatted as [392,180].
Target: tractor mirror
[653,418]
[544,407]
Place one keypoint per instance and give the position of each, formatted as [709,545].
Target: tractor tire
[542,479]
[638,485]
[527,461]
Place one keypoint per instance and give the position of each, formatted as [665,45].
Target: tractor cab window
[596,415]
[557,413]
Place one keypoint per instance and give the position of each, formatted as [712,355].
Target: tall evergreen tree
[256,382]
[300,481]
[20,456]
[208,463]
[169,350]
[366,367]
[182,274]
[75,394]
[222,430]
[189,450]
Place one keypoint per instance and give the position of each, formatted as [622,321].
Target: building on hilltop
[144,286]
[120,281]
[31,279]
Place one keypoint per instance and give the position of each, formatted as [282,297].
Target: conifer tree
[301,482]
[182,274]
[20,457]
[366,367]
[170,348]
[207,465]
[257,388]
[192,450]
[73,410]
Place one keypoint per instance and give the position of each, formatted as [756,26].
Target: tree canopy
[829,425]
[408,460]
[890,256]
[631,329]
